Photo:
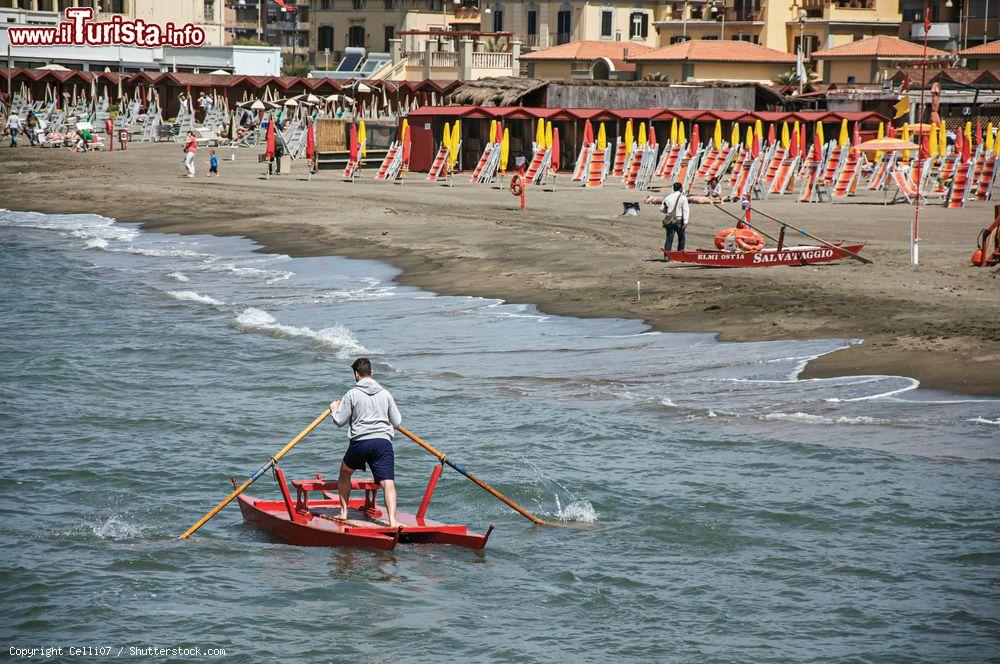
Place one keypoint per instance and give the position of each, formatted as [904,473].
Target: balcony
[848,11]
[938,31]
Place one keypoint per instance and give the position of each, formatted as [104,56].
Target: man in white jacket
[371,415]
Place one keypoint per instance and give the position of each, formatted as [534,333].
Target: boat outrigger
[743,246]
[315,522]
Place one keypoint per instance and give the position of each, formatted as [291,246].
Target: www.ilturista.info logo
[79,30]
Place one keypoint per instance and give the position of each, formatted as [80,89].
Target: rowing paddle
[496,494]
[818,239]
[273,461]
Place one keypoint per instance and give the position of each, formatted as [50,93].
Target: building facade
[206,14]
[955,24]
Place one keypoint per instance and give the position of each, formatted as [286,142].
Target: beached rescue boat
[306,522]
[767,257]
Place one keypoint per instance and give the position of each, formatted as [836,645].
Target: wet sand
[572,253]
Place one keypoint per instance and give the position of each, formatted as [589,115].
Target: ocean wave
[820,419]
[191,296]
[983,420]
[85,226]
[579,511]
[179,276]
[166,253]
[336,337]
[96,243]
[270,276]
[114,528]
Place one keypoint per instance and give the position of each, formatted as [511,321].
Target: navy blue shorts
[377,453]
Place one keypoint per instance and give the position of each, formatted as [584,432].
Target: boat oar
[744,222]
[253,478]
[818,239]
[496,494]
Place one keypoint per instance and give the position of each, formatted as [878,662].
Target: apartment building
[955,24]
[206,14]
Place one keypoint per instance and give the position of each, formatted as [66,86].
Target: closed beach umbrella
[681,137]
[966,148]
[402,129]
[642,135]
[770,134]
[749,139]
[269,149]
[758,130]
[602,138]
[959,143]
[881,134]
[673,131]
[629,136]
[406,145]
[890,130]
[362,139]
[785,139]
[990,143]
[793,145]
[446,136]
[755,145]
[555,149]
[652,135]
[906,137]
[802,138]
[856,134]
[795,128]
[932,144]
[968,133]
[717,135]
[499,131]
[819,130]
[734,136]
[548,135]
[504,150]
[817,154]
[310,141]
[925,147]
[588,133]
[979,132]
[353,142]
[943,138]
[540,133]
[695,139]
[493,131]
[843,137]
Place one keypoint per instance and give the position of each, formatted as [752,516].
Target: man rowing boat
[372,416]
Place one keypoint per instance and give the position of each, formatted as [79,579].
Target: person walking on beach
[371,415]
[13,126]
[190,147]
[675,217]
[213,164]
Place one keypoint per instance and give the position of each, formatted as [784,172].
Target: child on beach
[213,164]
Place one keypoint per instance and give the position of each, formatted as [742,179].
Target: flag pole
[915,224]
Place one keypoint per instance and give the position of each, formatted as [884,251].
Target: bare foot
[343,513]
[394,524]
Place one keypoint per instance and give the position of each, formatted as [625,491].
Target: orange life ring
[516,188]
[744,238]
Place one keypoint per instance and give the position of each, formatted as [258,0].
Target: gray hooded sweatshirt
[370,409]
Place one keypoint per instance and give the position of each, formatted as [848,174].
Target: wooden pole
[253,478]
[818,239]
[483,485]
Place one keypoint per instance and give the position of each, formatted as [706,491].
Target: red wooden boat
[767,257]
[308,522]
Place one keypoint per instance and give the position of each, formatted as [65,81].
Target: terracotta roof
[587,50]
[879,46]
[989,48]
[712,50]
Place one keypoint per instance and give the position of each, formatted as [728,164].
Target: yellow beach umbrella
[844,136]
[673,131]
[758,130]
[402,130]
[785,139]
[629,137]
[881,134]
[795,128]
[943,138]
[734,138]
[749,139]
[681,138]
[932,144]
[456,140]
[968,132]
[819,130]
[446,136]
[363,138]
[602,138]
[493,131]
[717,135]
[540,133]
[906,137]
[642,135]
[504,149]
[548,135]
[990,143]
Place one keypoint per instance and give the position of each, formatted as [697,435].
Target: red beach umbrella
[755,146]
[802,138]
[817,155]
[269,151]
[555,150]
[310,141]
[966,149]
[695,139]
[770,134]
[652,135]
[856,135]
[979,132]
[354,147]
[925,147]
[890,131]
[588,133]
[499,131]
[406,146]
[960,144]
[793,146]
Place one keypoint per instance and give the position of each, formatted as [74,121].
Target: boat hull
[799,255]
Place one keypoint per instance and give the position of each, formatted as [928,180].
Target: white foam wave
[580,511]
[115,528]
[85,226]
[178,276]
[191,296]
[983,420]
[914,384]
[336,337]
[269,276]
[166,253]
[819,419]
[96,243]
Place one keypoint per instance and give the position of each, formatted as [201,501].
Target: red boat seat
[326,485]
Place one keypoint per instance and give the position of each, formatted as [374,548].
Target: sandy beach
[572,253]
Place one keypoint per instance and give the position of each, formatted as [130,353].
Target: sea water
[722,509]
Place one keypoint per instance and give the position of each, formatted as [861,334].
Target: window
[326,4]
[532,21]
[497,20]
[209,11]
[390,4]
[564,21]
[677,39]
[808,44]
[607,23]
[117,6]
[358,4]
[638,25]
[356,35]
[324,37]
[390,32]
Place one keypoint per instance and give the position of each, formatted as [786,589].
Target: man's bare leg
[344,488]
[389,495]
